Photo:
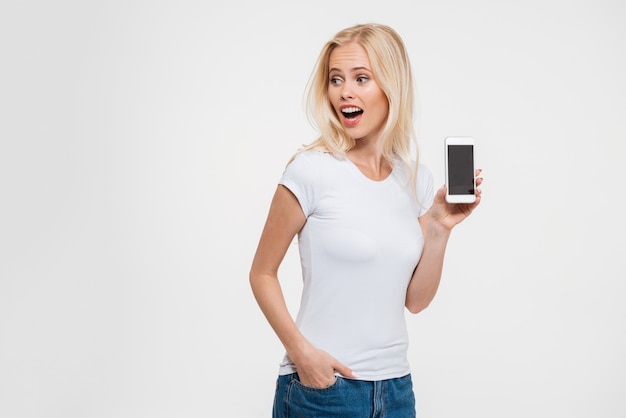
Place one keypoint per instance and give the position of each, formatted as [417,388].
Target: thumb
[441,193]
[440,196]
[344,370]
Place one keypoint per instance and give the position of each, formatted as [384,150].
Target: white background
[141,142]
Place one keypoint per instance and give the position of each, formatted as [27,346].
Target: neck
[371,162]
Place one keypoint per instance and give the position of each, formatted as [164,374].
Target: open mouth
[351,113]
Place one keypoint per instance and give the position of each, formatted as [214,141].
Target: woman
[371,231]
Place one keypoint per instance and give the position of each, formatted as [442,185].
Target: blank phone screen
[461,169]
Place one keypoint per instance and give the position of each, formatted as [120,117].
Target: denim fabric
[346,398]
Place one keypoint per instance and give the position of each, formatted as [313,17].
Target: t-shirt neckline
[355,169]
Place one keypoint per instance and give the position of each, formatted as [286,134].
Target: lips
[351,114]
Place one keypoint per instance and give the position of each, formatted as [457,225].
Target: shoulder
[313,157]
[316,161]
[307,175]
[308,166]
[424,175]
[425,188]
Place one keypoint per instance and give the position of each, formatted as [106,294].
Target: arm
[315,367]
[436,225]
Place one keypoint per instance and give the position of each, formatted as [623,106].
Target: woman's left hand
[451,214]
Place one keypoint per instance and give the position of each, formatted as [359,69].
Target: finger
[318,381]
[479,180]
[479,194]
[344,370]
[441,193]
[440,196]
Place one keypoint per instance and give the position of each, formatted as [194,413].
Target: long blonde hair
[392,71]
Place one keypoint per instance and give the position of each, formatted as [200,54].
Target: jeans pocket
[306,401]
[297,382]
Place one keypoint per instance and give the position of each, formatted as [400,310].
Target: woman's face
[357,98]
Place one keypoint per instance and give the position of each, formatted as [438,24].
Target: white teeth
[350,109]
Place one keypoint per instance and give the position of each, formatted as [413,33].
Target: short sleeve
[425,188]
[299,177]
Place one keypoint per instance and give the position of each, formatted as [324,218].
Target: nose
[346,92]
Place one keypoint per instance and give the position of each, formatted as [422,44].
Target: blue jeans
[391,398]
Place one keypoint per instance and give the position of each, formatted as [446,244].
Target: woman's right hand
[316,368]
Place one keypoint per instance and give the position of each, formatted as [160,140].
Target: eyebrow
[352,69]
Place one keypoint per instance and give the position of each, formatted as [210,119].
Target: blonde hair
[392,71]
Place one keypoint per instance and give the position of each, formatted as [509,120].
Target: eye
[335,80]
[362,79]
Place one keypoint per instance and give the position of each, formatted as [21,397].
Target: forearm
[427,275]
[269,296]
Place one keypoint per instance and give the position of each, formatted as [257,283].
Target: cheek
[333,99]
[385,107]
[382,108]
[382,104]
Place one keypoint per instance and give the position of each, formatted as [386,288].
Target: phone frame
[460,140]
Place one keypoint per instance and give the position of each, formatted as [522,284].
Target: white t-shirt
[358,249]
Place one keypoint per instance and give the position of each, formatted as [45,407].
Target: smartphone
[460,172]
